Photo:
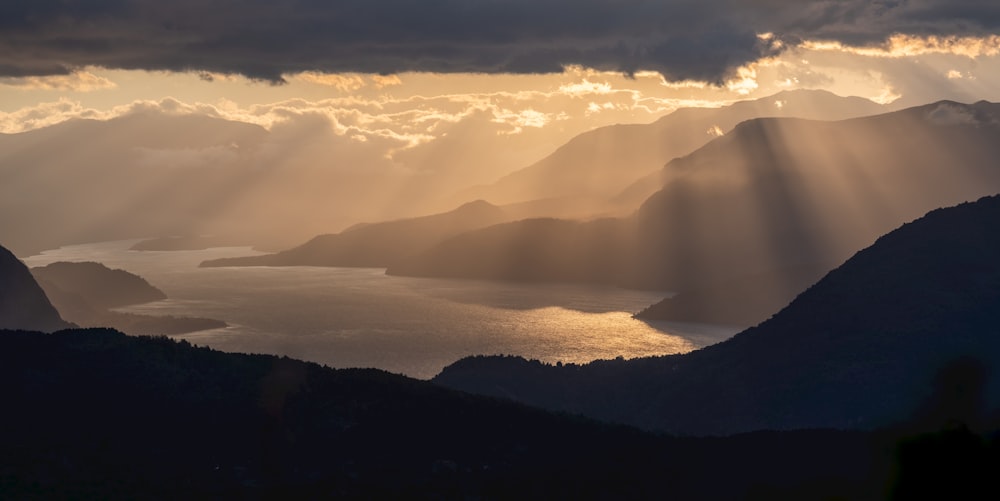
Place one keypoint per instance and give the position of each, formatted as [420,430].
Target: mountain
[859,349]
[601,163]
[530,250]
[94,414]
[779,199]
[85,293]
[578,180]
[23,304]
[743,300]
[378,244]
[102,286]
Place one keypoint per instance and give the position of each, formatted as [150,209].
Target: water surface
[360,317]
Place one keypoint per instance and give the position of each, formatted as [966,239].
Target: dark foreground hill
[857,350]
[94,414]
[23,304]
[778,201]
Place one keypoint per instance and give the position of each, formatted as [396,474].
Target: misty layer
[620,164]
[780,201]
[609,171]
[157,173]
[380,244]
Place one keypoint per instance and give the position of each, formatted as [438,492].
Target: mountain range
[860,349]
[602,163]
[902,333]
[610,170]
[93,413]
[377,244]
[156,173]
[776,202]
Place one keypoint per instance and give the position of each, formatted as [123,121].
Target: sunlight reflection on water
[359,317]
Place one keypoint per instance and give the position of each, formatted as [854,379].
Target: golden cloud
[81,81]
[343,82]
[898,46]
[382,81]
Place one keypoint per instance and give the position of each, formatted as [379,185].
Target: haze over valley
[499,249]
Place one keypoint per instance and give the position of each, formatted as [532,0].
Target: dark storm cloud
[265,39]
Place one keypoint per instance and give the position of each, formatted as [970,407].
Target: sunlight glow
[81,81]
[586,87]
[343,83]
[887,96]
[745,81]
[908,45]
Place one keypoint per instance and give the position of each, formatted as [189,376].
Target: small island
[86,293]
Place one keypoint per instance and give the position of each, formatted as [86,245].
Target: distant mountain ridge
[583,178]
[780,199]
[603,162]
[377,244]
[858,350]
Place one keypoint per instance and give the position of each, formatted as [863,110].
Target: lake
[360,317]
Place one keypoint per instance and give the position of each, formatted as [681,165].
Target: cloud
[898,45]
[343,83]
[948,114]
[698,40]
[80,81]
[383,81]
[586,87]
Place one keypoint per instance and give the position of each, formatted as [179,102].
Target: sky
[469,90]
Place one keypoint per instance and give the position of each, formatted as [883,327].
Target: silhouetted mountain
[378,244]
[781,199]
[599,164]
[744,300]
[102,286]
[541,249]
[858,350]
[23,304]
[84,293]
[95,414]
[578,180]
